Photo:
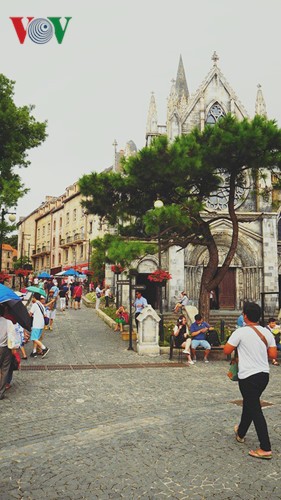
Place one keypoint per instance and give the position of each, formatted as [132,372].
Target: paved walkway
[137,432]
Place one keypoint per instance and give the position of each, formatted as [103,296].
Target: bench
[216,352]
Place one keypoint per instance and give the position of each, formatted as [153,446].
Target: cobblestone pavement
[138,432]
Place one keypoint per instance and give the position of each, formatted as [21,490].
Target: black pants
[136,319]
[5,361]
[251,389]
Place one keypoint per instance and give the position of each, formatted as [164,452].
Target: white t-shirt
[38,317]
[6,326]
[252,352]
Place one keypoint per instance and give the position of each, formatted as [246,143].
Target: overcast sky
[95,87]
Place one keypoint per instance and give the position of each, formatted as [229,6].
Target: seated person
[275,330]
[198,331]
[122,318]
[240,321]
[183,301]
[182,339]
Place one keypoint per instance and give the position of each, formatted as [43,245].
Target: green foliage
[19,263]
[113,249]
[184,174]
[123,252]
[19,132]
[12,240]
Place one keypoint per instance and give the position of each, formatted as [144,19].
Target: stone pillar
[148,332]
[270,262]
[176,269]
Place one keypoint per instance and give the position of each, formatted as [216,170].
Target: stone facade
[254,268]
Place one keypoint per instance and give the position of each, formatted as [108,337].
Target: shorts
[201,343]
[36,333]
[77,299]
[120,320]
[51,314]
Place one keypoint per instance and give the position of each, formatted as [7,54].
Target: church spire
[152,121]
[260,107]
[181,85]
[151,124]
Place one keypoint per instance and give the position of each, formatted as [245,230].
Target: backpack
[213,338]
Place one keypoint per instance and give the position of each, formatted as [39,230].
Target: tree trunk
[211,276]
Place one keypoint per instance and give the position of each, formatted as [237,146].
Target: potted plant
[160,276]
[117,268]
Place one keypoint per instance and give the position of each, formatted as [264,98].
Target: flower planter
[126,335]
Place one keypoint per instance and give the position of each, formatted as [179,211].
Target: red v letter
[21,32]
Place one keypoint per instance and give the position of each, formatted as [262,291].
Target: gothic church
[254,268]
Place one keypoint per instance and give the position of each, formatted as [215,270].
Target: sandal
[238,438]
[258,454]
[275,363]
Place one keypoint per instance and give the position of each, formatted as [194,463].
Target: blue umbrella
[44,275]
[7,293]
[70,272]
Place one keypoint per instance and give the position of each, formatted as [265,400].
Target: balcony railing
[72,240]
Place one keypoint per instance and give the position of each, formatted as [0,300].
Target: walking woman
[254,344]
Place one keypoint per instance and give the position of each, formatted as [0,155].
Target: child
[122,319]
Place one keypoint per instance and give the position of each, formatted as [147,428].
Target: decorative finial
[215,58]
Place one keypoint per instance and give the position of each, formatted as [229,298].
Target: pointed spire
[152,120]
[181,85]
[260,107]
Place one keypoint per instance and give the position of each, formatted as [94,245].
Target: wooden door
[227,290]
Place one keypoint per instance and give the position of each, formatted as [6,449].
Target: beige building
[8,255]
[57,234]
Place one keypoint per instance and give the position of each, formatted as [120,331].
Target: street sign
[139,287]
[122,282]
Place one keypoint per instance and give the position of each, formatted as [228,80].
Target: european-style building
[57,234]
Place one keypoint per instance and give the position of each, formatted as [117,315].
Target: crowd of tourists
[47,296]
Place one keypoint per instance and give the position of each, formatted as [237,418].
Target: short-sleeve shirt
[38,312]
[195,327]
[252,352]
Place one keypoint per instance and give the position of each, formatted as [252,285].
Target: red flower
[4,277]
[159,276]
[22,272]
[117,269]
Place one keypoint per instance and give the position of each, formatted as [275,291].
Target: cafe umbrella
[70,272]
[15,308]
[44,275]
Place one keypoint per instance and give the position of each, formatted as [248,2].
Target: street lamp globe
[12,217]
[158,203]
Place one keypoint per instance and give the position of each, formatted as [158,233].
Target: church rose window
[215,113]
[219,199]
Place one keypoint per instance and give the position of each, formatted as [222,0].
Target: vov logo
[40,30]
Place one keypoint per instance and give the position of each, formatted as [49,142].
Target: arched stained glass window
[215,113]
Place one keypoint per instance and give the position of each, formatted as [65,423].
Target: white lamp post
[159,204]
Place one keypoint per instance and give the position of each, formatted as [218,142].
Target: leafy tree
[12,240]
[115,250]
[184,174]
[19,132]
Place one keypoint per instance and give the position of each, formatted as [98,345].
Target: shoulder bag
[233,368]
